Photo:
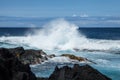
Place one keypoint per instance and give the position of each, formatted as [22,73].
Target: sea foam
[61,34]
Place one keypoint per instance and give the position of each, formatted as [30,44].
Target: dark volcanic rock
[29,56]
[17,51]
[12,69]
[71,56]
[85,72]
[42,78]
[52,56]
[33,56]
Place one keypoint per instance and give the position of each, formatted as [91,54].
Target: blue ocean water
[94,33]
[101,45]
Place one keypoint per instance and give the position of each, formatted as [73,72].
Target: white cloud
[74,15]
[83,15]
[32,25]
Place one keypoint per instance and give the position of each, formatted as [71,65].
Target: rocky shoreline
[14,65]
[11,67]
[31,56]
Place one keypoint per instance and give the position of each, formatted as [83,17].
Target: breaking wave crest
[60,34]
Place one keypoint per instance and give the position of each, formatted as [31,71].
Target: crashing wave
[60,34]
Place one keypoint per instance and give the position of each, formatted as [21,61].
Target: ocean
[101,45]
[93,33]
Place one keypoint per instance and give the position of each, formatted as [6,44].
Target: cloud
[83,15]
[32,25]
[74,15]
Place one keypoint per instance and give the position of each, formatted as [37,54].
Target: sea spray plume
[57,34]
[61,34]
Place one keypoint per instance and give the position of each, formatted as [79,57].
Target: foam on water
[59,37]
[60,60]
[60,34]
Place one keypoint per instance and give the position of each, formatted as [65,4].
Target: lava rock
[85,72]
[12,69]
[42,78]
[17,51]
[73,57]
[33,57]
[29,56]
[51,55]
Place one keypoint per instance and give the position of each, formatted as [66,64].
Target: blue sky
[59,8]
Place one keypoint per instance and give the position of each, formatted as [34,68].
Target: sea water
[101,45]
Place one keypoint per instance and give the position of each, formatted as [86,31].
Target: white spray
[57,34]
[61,34]
[64,35]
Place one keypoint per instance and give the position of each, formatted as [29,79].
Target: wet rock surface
[42,78]
[73,57]
[85,72]
[29,56]
[12,69]
[14,65]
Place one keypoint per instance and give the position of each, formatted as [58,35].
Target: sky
[59,8]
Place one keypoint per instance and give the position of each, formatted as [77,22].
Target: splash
[60,34]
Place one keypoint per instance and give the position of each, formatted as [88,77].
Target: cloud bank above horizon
[81,21]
